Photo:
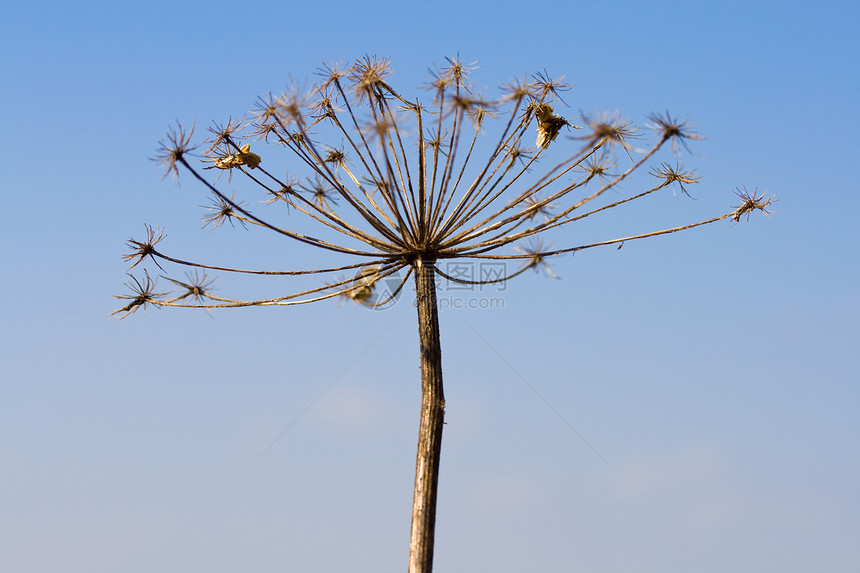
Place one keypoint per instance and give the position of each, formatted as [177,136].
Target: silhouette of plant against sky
[396,184]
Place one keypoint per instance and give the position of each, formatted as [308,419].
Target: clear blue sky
[715,371]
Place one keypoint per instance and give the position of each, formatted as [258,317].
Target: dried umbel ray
[394,183]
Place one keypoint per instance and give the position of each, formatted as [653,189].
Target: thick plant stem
[432,420]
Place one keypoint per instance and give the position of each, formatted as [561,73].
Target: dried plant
[397,184]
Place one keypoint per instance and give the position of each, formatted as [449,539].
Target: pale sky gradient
[716,372]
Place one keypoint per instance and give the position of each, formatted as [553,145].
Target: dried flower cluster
[408,180]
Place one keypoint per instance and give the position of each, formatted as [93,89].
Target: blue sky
[715,372]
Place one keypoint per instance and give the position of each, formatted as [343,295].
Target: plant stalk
[432,421]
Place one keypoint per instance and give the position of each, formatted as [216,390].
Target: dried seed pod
[549,125]
[246,157]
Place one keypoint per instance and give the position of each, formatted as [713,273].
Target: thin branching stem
[297,236]
[270,273]
[479,255]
